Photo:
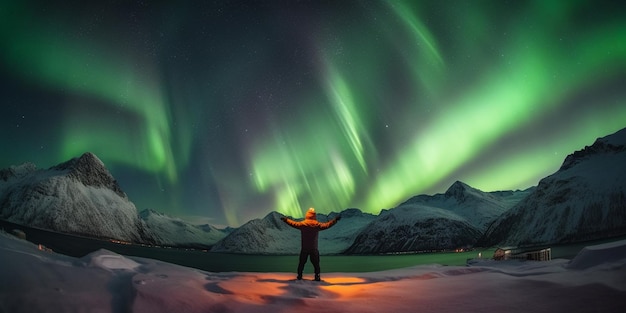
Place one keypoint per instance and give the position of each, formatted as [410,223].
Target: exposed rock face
[90,171]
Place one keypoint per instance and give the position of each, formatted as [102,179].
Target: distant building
[510,253]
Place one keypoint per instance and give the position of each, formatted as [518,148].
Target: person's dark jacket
[309,228]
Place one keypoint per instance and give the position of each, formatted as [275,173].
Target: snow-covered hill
[171,231]
[79,196]
[341,236]
[477,207]
[266,235]
[414,227]
[585,199]
[271,235]
[454,219]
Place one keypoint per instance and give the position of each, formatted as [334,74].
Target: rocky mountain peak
[458,190]
[351,212]
[89,170]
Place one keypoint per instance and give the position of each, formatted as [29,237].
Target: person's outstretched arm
[291,222]
[330,223]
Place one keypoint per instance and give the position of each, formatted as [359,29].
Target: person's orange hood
[310,214]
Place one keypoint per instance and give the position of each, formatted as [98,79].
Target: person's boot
[317,277]
[299,277]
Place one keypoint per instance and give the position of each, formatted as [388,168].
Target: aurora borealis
[228,110]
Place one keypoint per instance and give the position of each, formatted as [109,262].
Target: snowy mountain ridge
[258,236]
[414,227]
[79,197]
[477,207]
[171,231]
[90,171]
[585,199]
[266,235]
[452,220]
[443,221]
[615,143]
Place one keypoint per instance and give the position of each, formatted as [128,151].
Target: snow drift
[608,254]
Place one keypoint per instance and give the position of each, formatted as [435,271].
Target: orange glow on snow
[262,289]
[347,287]
[248,289]
[344,280]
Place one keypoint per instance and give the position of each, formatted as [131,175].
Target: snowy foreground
[40,281]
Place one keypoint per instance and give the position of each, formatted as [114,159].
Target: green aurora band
[100,72]
[507,95]
[400,108]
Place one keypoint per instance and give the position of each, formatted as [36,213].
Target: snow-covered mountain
[79,196]
[171,231]
[477,207]
[585,199]
[414,227]
[266,235]
[451,220]
[454,219]
[341,236]
[271,235]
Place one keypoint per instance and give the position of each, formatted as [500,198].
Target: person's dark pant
[314,255]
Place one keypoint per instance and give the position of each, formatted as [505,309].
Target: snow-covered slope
[103,281]
[271,235]
[173,231]
[79,196]
[477,207]
[266,235]
[454,219]
[341,236]
[415,227]
[585,199]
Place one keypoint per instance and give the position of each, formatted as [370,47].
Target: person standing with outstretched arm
[309,229]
